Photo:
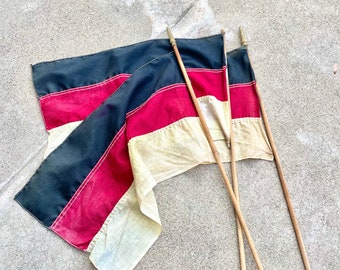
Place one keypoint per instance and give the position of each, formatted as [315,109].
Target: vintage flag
[121,121]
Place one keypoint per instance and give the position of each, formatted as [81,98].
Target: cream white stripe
[125,237]
[58,135]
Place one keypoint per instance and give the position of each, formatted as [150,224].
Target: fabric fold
[120,122]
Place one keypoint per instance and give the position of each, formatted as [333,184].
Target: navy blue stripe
[239,68]
[60,175]
[59,75]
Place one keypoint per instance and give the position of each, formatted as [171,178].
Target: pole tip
[244,42]
[171,37]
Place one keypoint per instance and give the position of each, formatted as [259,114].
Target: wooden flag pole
[214,150]
[279,168]
[233,169]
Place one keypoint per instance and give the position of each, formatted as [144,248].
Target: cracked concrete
[294,47]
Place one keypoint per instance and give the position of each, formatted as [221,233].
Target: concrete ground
[295,46]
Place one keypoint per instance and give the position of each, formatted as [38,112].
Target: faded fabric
[120,122]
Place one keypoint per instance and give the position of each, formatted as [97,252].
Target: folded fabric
[121,121]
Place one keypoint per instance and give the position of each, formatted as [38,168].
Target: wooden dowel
[214,151]
[234,170]
[279,168]
[236,191]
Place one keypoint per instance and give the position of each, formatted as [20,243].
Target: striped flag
[121,121]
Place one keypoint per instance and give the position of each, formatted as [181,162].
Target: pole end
[244,42]
[171,37]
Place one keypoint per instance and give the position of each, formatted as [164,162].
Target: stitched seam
[118,207]
[206,70]
[87,87]
[164,89]
[242,120]
[87,179]
[43,116]
[67,240]
[242,84]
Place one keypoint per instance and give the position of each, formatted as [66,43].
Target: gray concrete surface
[294,46]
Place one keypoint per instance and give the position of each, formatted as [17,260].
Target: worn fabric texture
[120,122]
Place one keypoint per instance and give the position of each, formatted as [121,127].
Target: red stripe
[209,82]
[85,214]
[244,101]
[76,104]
